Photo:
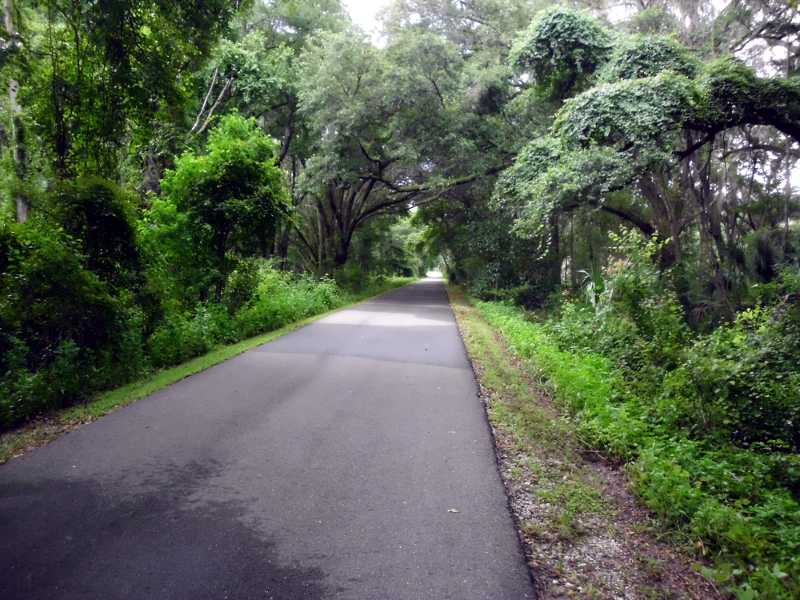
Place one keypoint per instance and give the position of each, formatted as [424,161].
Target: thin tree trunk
[573,280]
[787,195]
[17,128]
[554,267]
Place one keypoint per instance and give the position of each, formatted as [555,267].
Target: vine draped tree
[652,121]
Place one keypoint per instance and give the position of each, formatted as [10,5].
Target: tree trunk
[342,252]
[220,246]
[787,194]
[17,127]
[152,173]
[554,260]
[282,245]
[573,277]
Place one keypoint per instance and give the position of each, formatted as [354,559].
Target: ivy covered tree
[653,119]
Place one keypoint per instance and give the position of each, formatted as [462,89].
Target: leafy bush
[739,384]
[708,424]
[185,335]
[228,198]
[282,298]
[530,296]
[99,218]
[241,286]
[352,277]
[26,392]
[630,315]
[742,381]
[259,299]
[55,317]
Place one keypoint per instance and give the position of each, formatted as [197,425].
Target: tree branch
[205,101]
[222,95]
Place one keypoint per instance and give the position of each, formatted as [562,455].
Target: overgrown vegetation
[98,290]
[650,221]
[68,334]
[582,530]
[149,216]
[706,423]
[53,423]
[176,177]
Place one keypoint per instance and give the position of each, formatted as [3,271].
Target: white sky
[365,13]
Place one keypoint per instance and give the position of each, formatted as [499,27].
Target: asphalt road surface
[349,459]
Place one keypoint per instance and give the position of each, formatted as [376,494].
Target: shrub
[99,218]
[630,315]
[55,317]
[230,196]
[58,382]
[741,382]
[47,294]
[241,286]
[185,335]
[278,299]
[351,277]
[282,298]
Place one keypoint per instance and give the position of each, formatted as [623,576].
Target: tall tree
[658,126]
[12,44]
[102,73]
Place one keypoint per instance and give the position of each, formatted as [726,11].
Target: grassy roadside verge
[584,534]
[44,429]
[734,509]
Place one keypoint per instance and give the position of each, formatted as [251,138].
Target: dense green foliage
[231,199]
[706,423]
[562,48]
[175,176]
[96,289]
[67,332]
[651,217]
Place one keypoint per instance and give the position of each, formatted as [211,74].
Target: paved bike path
[350,459]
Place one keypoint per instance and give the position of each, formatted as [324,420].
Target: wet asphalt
[350,459]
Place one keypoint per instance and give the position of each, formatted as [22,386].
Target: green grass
[546,447]
[730,504]
[47,428]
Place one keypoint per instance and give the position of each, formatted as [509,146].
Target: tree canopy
[175,175]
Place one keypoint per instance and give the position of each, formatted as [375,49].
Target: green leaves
[99,75]
[640,115]
[260,73]
[562,49]
[648,56]
[232,196]
[342,90]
